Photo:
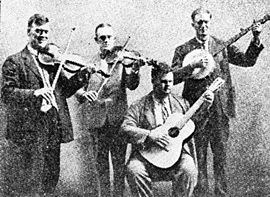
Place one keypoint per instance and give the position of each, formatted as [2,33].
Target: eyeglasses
[41,31]
[200,22]
[104,37]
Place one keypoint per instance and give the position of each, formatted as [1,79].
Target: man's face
[39,35]
[201,24]
[105,38]
[163,84]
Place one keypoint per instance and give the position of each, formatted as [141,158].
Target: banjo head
[195,56]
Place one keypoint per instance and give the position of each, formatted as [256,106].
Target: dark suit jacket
[113,96]
[140,118]
[193,88]
[20,79]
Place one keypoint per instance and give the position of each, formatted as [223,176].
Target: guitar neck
[192,110]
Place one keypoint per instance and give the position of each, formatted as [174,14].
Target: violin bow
[114,64]
[63,59]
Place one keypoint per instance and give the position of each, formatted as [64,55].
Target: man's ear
[96,39]
[192,24]
[28,32]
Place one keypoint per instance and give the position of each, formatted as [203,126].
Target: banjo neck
[242,33]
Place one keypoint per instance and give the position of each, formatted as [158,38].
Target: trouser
[30,171]
[141,174]
[215,132]
[109,140]
[33,165]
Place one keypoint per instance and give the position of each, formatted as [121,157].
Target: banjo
[196,55]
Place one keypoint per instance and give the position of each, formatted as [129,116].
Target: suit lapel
[172,104]
[149,111]
[30,63]
[194,44]
[215,46]
[212,48]
[177,104]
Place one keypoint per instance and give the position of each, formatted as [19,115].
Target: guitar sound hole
[173,132]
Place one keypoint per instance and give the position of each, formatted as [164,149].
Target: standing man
[38,120]
[216,125]
[103,112]
[141,127]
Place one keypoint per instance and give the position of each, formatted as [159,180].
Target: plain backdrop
[156,28]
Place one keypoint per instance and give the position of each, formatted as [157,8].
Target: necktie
[204,46]
[165,112]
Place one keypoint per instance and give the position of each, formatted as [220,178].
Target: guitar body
[162,158]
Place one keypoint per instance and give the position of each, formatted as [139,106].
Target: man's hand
[91,96]
[46,93]
[159,138]
[201,63]
[137,65]
[209,96]
[256,29]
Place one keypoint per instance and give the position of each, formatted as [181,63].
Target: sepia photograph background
[156,28]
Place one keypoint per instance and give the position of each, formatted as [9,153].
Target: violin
[127,57]
[117,55]
[50,55]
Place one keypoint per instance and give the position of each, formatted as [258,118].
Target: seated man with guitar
[158,126]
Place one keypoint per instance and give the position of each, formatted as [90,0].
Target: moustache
[40,38]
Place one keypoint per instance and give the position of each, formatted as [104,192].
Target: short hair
[160,69]
[37,19]
[100,26]
[199,11]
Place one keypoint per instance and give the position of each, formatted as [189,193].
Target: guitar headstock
[216,84]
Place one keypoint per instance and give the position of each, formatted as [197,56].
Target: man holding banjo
[197,63]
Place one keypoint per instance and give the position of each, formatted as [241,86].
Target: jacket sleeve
[133,78]
[11,91]
[77,81]
[247,59]
[131,126]
[180,73]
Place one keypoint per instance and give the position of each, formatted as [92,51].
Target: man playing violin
[38,119]
[104,108]
[216,126]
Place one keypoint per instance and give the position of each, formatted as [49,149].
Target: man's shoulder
[217,40]
[178,97]
[16,57]
[185,45]
[142,102]
[179,100]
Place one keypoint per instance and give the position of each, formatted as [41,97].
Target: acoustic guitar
[178,127]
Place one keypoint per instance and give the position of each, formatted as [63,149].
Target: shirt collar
[159,102]
[201,42]
[32,50]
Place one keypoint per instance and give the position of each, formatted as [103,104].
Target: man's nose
[204,24]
